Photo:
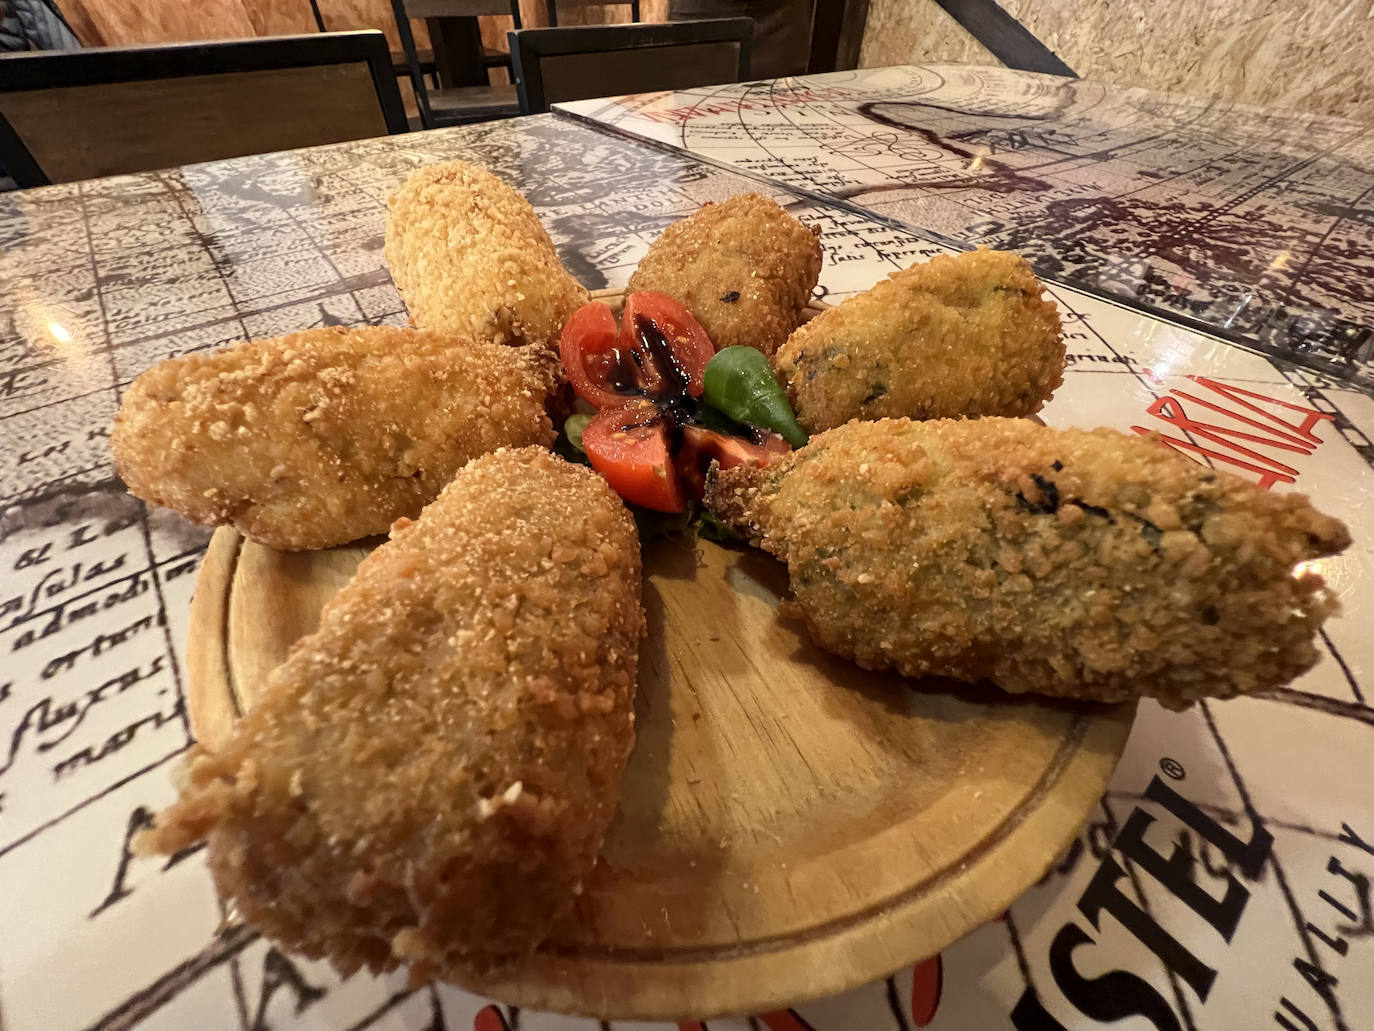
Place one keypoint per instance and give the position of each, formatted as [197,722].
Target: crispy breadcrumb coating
[1065,562]
[469,256]
[744,267]
[327,435]
[428,777]
[957,336]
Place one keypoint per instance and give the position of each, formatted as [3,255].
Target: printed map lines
[1315,252]
[1304,171]
[153,572]
[1321,363]
[178,198]
[837,219]
[1322,703]
[1345,667]
[106,790]
[1299,920]
[137,1007]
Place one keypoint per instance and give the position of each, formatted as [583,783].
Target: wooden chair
[552,7]
[460,60]
[79,114]
[579,63]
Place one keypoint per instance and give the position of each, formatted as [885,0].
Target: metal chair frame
[530,46]
[45,69]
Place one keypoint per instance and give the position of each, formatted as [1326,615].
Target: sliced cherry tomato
[590,335]
[659,351]
[700,446]
[629,446]
[690,346]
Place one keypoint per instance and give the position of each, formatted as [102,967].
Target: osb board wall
[127,22]
[1310,56]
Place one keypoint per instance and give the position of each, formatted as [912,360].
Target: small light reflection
[1280,260]
[1334,569]
[58,336]
[976,163]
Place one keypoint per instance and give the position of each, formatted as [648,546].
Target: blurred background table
[1265,799]
[1252,224]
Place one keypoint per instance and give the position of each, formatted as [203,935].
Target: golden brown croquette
[469,256]
[1065,562]
[428,777]
[966,335]
[744,267]
[324,436]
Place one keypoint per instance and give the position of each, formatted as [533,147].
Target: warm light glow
[1280,260]
[976,163]
[59,332]
[1335,570]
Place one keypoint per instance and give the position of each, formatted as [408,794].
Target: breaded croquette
[469,256]
[967,335]
[744,267]
[1065,562]
[324,436]
[428,777]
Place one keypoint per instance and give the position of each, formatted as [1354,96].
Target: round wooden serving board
[791,826]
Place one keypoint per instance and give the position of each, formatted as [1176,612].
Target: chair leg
[417,77]
[552,6]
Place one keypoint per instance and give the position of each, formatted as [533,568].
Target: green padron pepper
[740,383]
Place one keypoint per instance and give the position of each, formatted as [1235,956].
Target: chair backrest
[459,8]
[579,63]
[87,113]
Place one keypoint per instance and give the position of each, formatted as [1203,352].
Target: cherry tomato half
[700,446]
[590,334]
[660,351]
[691,347]
[628,445]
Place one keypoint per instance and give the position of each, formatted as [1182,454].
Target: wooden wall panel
[365,14]
[129,22]
[126,22]
[279,17]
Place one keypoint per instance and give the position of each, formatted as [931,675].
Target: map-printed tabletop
[1223,882]
[1258,225]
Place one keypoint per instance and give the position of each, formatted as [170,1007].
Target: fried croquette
[967,335]
[428,777]
[1064,562]
[327,435]
[744,267]
[469,256]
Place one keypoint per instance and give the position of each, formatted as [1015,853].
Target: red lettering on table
[1238,445]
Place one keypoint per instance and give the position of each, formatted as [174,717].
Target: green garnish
[710,527]
[573,428]
[739,381]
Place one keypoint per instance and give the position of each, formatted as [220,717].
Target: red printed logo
[1249,433]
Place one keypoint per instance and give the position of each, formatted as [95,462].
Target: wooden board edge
[829,965]
[210,695]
